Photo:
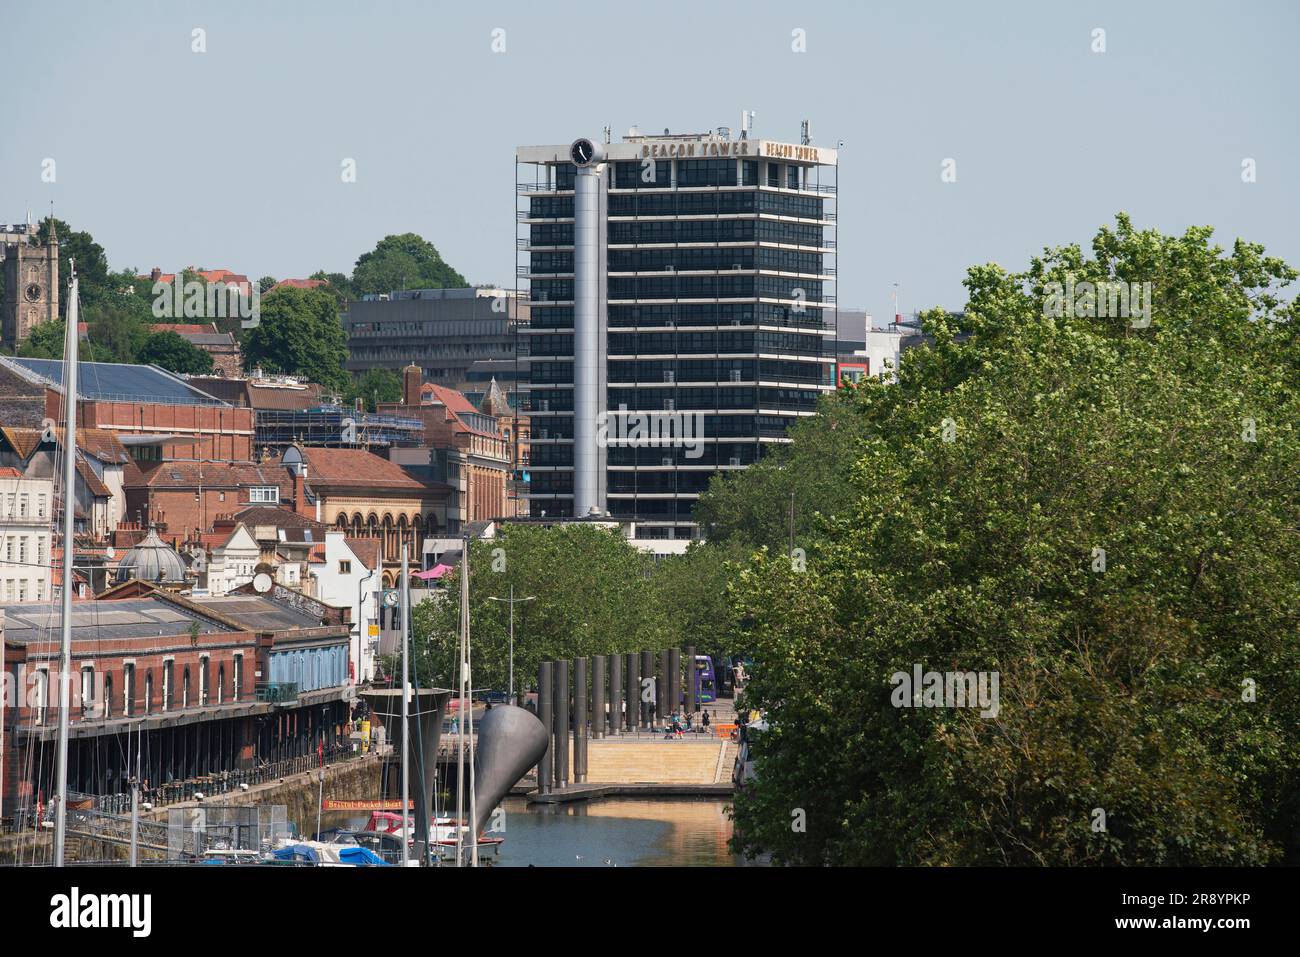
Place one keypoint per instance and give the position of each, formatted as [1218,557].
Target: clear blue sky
[231,158]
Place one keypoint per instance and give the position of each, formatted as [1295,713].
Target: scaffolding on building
[333,426]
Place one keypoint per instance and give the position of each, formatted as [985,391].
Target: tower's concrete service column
[589,401]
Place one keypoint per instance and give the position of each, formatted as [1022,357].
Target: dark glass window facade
[642,174]
[692,254]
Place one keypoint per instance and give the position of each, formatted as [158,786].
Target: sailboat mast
[69,510]
[406,718]
[469,713]
[461,716]
[135,794]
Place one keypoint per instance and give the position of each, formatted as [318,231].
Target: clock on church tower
[31,284]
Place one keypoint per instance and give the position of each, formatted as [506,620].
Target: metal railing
[174,792]
[541,188]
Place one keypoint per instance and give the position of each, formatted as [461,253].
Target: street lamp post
[512,599]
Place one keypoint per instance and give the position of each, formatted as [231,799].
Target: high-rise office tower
[681,314]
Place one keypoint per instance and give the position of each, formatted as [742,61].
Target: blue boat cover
[361,857]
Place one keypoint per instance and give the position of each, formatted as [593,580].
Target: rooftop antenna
[805,133]
[898,306]
[746,122]
[607,134]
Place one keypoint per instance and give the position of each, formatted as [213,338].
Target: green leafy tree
[299,334]
[135,295]
[375,386]
[265,283]
[94,283]
[172,352]
[691,592]
[591,596]
[339,285]
[116,330]
[790,489]
[45,341]
[1103,516]
[402,262]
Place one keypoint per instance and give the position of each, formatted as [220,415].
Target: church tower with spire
[31,286]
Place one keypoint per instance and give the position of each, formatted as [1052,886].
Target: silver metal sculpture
[510,741]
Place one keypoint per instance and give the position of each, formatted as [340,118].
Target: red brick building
[451,421]
[181,675]
[368,496]
[182,499]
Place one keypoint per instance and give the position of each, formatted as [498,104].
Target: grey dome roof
[153,560]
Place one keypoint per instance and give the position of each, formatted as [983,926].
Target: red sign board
[333,805]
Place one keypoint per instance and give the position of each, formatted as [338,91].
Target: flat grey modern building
[460,338]
[687,277]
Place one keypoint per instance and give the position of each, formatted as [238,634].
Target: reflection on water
[625,832]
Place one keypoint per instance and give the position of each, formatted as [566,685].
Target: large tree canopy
[591,592]
[94,280]
[1105,517]
[172,352]
[374,386]
[299,334]
[402,262]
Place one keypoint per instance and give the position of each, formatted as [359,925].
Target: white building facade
[25,537]
[343,578]
[233,562]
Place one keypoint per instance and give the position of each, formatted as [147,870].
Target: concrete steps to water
[661,762]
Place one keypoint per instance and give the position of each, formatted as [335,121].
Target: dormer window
[264,493]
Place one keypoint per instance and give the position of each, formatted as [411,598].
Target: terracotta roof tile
[353,467]
[97,443]
[366,550]
[211,475]
[181,328]
[298,284]
[93,483]
[271,515]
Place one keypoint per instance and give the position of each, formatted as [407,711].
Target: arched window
[148,691]
[221,683]
[185,688]
[108,695]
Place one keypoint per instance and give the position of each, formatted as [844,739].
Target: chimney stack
[411,382]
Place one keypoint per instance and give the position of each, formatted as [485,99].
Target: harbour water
[614,832]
